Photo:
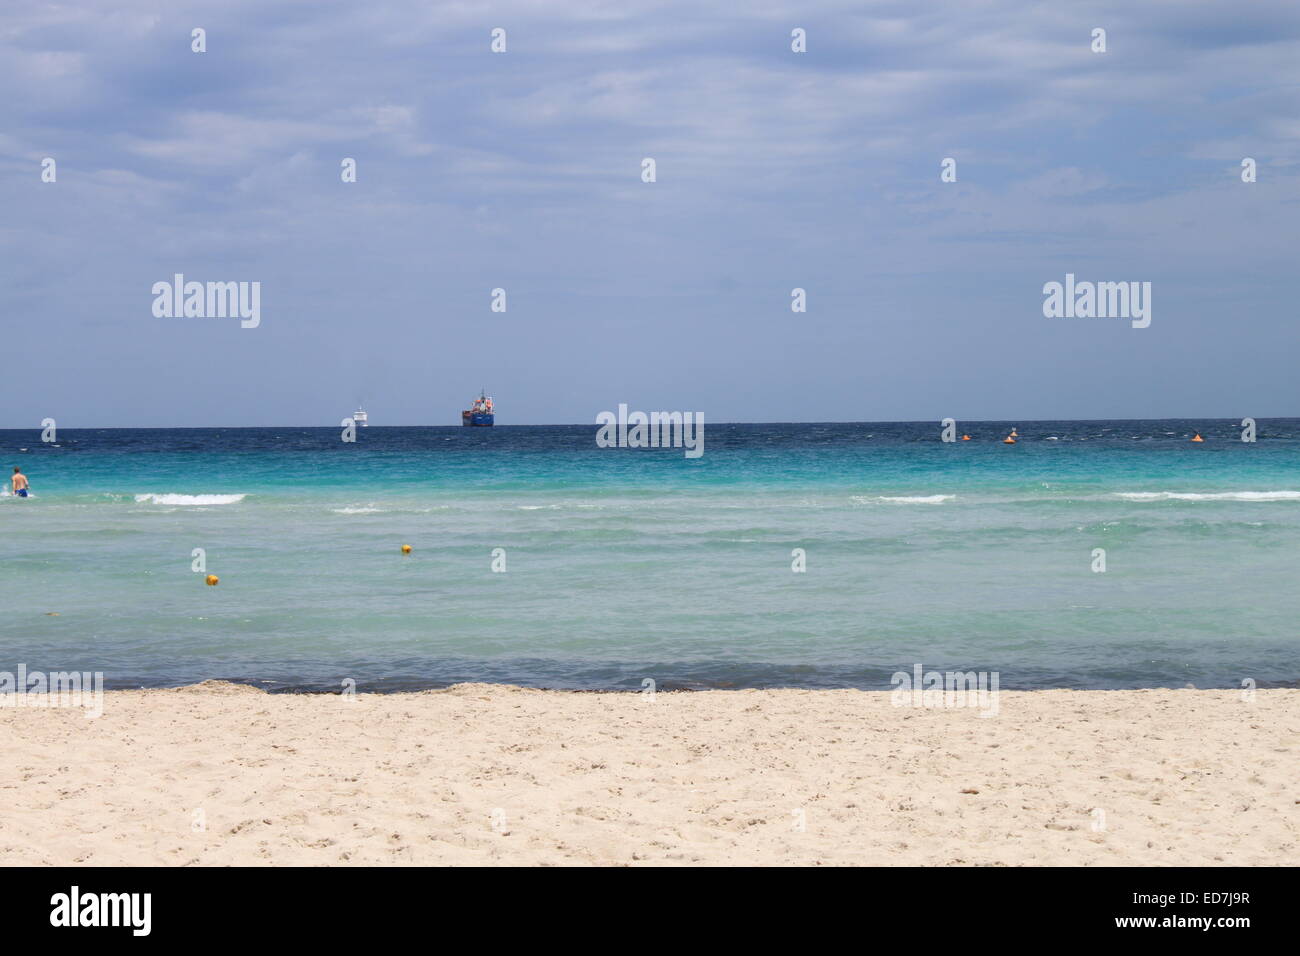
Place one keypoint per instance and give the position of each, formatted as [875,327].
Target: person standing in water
[19,482]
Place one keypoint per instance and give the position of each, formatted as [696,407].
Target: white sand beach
[219,774]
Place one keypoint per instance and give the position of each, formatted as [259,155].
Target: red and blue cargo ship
[480,413]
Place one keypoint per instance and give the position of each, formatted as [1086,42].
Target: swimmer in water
[19,482]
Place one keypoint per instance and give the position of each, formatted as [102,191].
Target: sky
[522,170]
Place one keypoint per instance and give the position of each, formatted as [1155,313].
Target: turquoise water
[626,564]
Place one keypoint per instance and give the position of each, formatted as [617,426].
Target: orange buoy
[965,437]
[211,580]
[1008,440]
[406,549]
[1197,437]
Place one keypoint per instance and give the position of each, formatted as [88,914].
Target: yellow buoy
[406,549]
[211,580]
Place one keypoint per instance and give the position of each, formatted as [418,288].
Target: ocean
[628,565]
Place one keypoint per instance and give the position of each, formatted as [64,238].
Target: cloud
[775,168]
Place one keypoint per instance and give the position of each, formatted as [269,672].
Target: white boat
[360,417]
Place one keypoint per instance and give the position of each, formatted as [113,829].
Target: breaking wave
[907,499]
[189,499]
[1209,496]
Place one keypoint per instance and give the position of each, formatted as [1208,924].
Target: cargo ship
[480,413]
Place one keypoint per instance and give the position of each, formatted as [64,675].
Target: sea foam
[189,499]
[908,499]
[1208,496]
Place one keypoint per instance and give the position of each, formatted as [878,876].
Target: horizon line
[915,421]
